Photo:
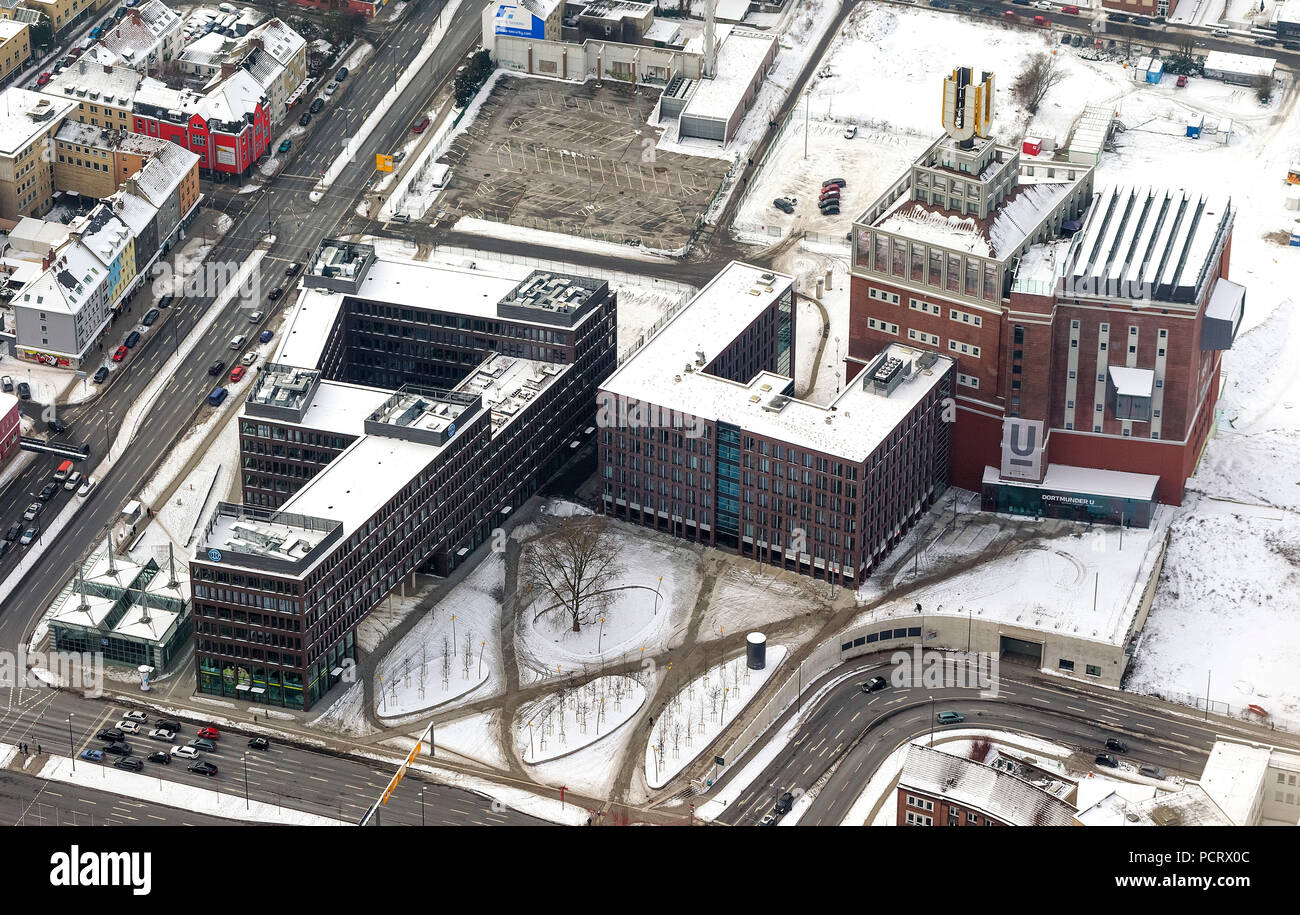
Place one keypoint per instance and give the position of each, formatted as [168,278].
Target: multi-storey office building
[702,437]
[363,486]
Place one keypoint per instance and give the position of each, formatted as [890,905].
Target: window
[1063,664]
[969,381]
[1093,670]
[922,336]
[883,326]
[883,296]
[966,349]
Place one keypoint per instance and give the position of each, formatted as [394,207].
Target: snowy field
[570,720]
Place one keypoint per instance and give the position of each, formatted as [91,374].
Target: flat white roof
[740,58]
[1064,478]
[1245,64]
[852,426]
[1234,777]
[1132,382]
[343,408]
[25,114]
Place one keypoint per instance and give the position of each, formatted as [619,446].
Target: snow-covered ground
[570,720]
[700,711]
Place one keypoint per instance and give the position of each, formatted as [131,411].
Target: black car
[131,339]
[784,803]
[275,293]
[342,74]
[1105,759]
[166,301]
[836,182]
[117,747]
[1152,772]
[203,767]
[1116,17]
[14,533]
[1140,20]
[24,390]
[113,735]
[832,210]
[128,763]
[215,368]
[783,205]
[1266,42]
[874,684]
[292,269]
[4,548]
[161,756]
[259,743]
[56,425]
[305,119]
[48,492]
[150,316]
[316,105]
[173,726]
[1291,45]
[1114,743]
[101,374]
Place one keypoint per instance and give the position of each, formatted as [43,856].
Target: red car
[237,373]
[420,125]
[76,52]
[1070,10]
[43,79]
[209,733]
[120,353]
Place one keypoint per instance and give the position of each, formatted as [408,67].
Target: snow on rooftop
[851,427]
[741,55]
[1116,483]
[1246,64]
[342,408]
[25,114]
[992,791]
[1233,777]
[1132,382]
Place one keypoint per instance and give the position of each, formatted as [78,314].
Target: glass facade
[727,469]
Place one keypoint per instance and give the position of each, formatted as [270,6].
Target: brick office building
[1011,267]
[364,486]
[702,437]
[939,789]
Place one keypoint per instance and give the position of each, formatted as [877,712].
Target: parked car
[342,74]
[8,384]
[838,182]
[784,803]
[1070,10]
[185,752]
[215,368]
[73,481]
[92,755]
[87,485]
[783,205]
[150,316]
[44,79]
[259,743]
[1114,743]
[331,88]
[166,301]
[30,534]
[1077,41]
[850,133]
[162,734]
[160,756]
[1105,759]
[96,33]
[316,105]
[1181,81]
[304,119]
[285,145]
[831,210]
[203,768]
[874,684]
[249,357]
[13,533]
[949,718]
[101,374]
[1152,772]
[131,765]
[210,733]
[769,819]
[120,353]
[265,336]
[237,373]
[421,125]
[24,391]
[131,339]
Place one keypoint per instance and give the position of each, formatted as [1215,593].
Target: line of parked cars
[828,202]
[136,723]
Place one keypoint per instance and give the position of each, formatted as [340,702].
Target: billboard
[518,22]
[1022,449]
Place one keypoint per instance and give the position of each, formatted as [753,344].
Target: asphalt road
[26,800]
[853,733]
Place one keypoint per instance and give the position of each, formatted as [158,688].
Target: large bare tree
[573,569]
[1041,73]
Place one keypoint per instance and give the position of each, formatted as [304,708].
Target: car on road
[285,145]
[73,481]
[30,534]
[237,373]
[1114,743]
[421,125]
[206,746]
[304,119]
[131,765]
[784,803]
[110,734]
[87,485]
[173,726]
[342,74]
[131,339]
[135,715]
[8,384]
[150,316]
[119,748]
[13,533]
[949,718]
[120,353]
[32,511]
[249,357]
[874,684]
[92,755]
[56,426]
[1152,772]
[275,294]
[166,301]
[216,368]
[265,336]
[209,733]
[331,88]
[162,734]
[256,317]
[160,756]
[24,390]
[48,491]
[44,79]
[1105,759]
[769,819]
[203,768]
[292,269]
[101,374]
[316,105]
[185,752]
[128,727]
[259,743]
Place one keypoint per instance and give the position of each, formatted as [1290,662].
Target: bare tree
[1036,80]
[1264,85]
[980,748]
[573,569]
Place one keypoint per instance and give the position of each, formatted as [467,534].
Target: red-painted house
[228,127]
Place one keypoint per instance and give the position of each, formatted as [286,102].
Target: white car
[162,734]
[135,716]
[1041,5]
[185,752]
[329,90]
[249,357]
[128,727]
[255,317]
[850,133]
